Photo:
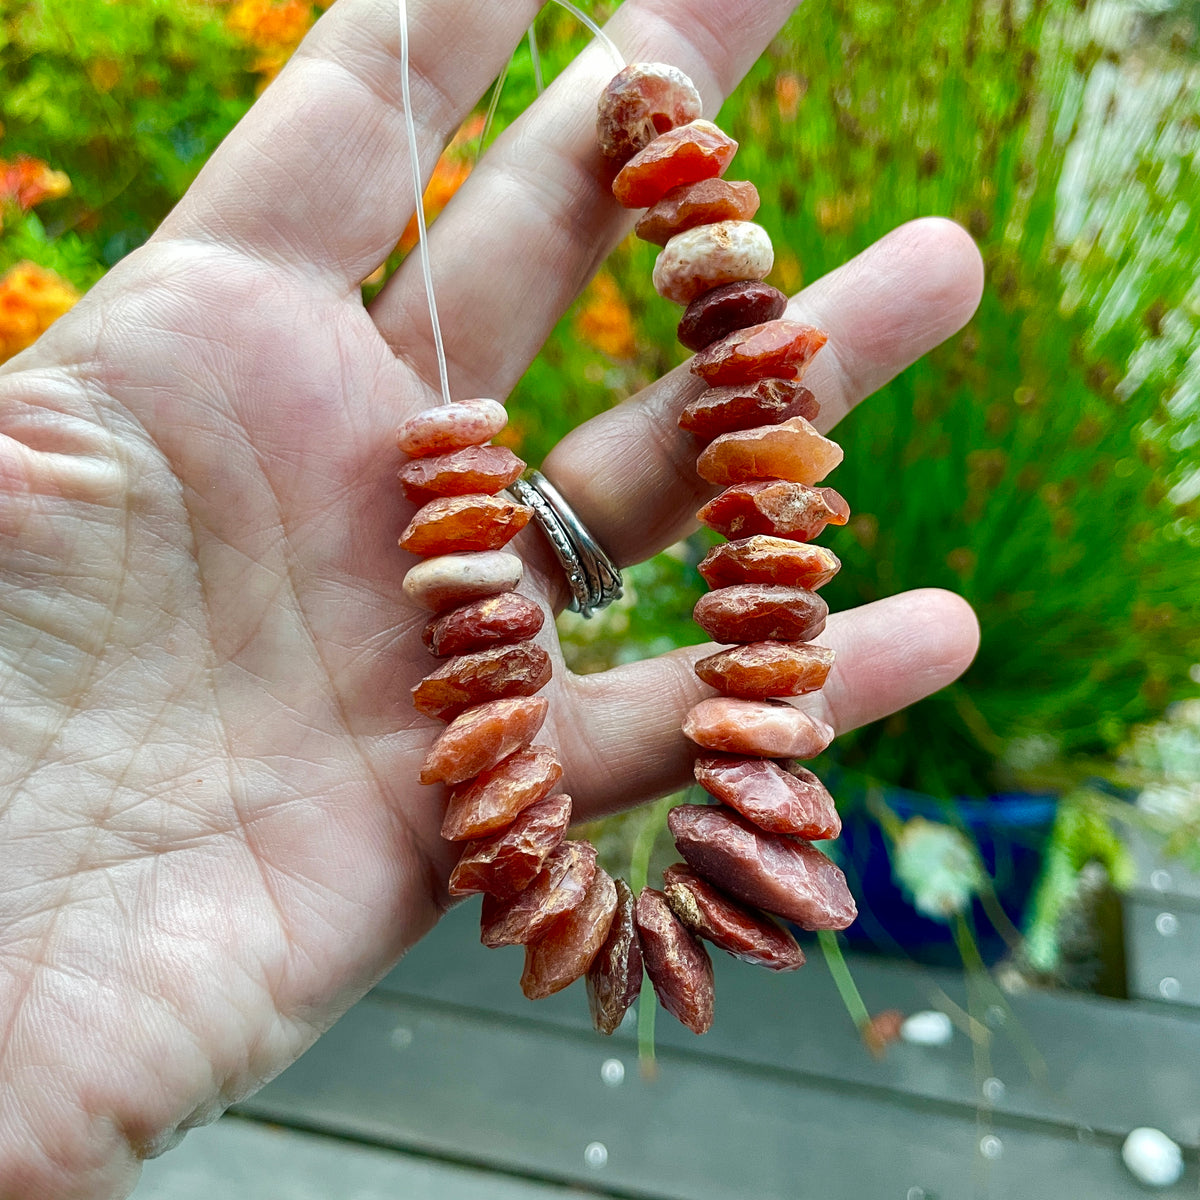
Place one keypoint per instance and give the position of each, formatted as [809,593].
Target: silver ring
[594,579]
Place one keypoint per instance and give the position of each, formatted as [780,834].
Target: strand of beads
[749,855]
[540,890]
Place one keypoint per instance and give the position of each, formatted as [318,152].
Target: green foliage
[129,99]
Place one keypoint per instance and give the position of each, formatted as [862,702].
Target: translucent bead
[640,102]
[688,154]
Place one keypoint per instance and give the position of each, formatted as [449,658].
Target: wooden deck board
[780,1100]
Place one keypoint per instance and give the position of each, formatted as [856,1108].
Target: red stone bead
[678,966]
[640,102]
[495,796]
[481,737]
[763,559]
[508,861]
[779,798]
[492,621]
[692,204]
[559,886]
[780,875]
[757,612]
[566,949]
[491,674]
[614,979]
[686,154]
[781,509]
[726,309]
[455,524]
[764,669]
[774,350]
[743,405]
[708,913]
[459,473]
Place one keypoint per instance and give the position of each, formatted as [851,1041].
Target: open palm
[211,837]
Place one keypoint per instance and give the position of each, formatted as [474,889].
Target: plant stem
[842,978]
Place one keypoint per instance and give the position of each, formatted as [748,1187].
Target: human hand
[211,833]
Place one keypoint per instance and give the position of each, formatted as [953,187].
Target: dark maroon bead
[728,308]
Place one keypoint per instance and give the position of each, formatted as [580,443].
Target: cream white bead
[449,580]
[706,256]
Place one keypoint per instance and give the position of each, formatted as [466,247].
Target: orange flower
[27,181]
[31,299]
[273,27]
[605,321]
[789,91]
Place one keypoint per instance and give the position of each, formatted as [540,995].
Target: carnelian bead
[768,668]
[756,727]
[757,612]
[456,524]
[510,860]
[764,559]
[481,737]
[492,621]
[791,450]
[778,508]
[724,310]
[694,204]
[639,103]
[490,674]
[495,796]
[565,951]
[459,472]
[773,350]
[686,154]
[450,427]
[742,405]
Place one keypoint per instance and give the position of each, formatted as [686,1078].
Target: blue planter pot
[1010,831]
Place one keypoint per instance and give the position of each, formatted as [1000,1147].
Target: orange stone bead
[763,669]
[764,559]
[456,524]
[686,154]
[782,509]
[759,612]
[472,469]
[507,862]
[777,797]
[450,427]
[742,405]
[491,674]
[678,966]
[566,950]
[494,620]
[559,886]
[693,204]
[792,450]
[495,796]
[481,737]
[708,913]
[756,727]
[773,350]
[640,102]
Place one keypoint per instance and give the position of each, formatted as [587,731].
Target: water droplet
[612,1072]
[991,1146]
[1168,987]
[916,1193]
[1167,924]
[1160,880]
[996,1016]
[595,1154]
[993,1089]
[402,1037]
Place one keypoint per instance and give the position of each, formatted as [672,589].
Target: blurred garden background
[1045,463]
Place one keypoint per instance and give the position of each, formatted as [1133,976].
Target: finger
[630,472]
[317,175]
[544,181]
[889,654]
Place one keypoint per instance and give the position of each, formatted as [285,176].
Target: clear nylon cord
[410,127]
